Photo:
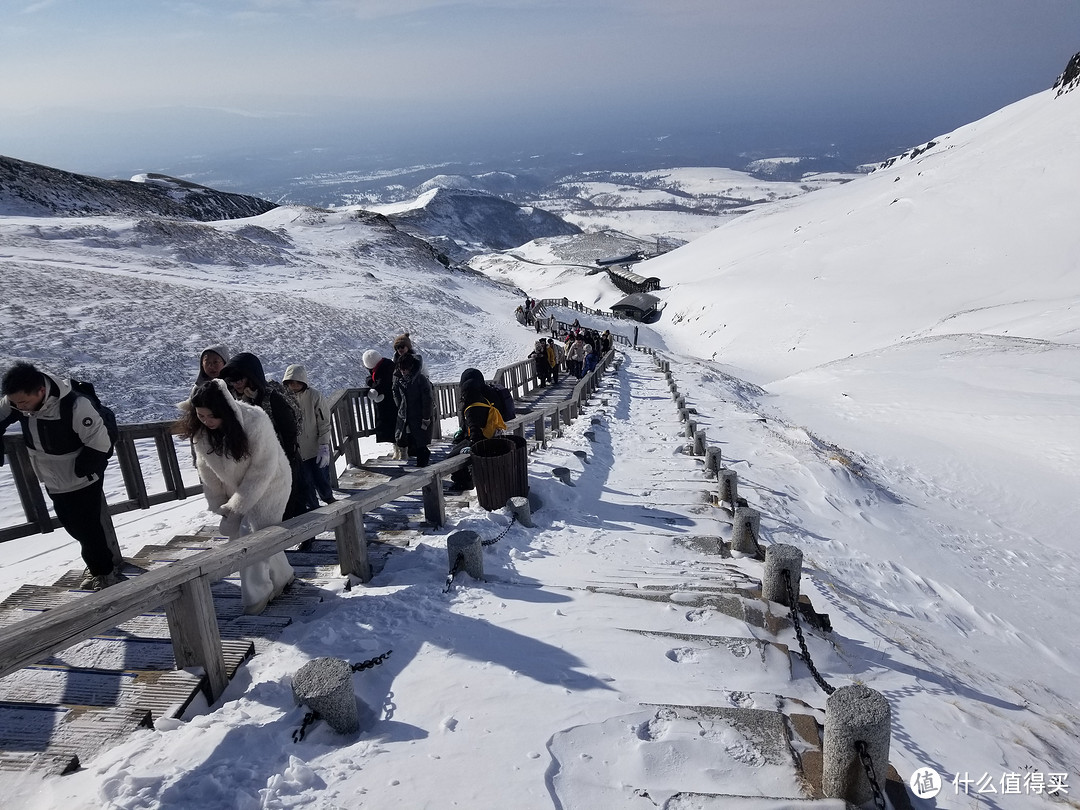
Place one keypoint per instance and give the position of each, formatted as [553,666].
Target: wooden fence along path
[80,669]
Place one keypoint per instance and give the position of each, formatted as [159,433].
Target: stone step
[720,750]
[738,603]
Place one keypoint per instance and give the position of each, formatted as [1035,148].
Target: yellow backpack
[494,422]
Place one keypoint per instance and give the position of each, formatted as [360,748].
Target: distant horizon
[255,94]
[273,157]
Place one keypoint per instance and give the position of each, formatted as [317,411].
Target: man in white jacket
[69,448]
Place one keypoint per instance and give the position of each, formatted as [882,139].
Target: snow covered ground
[890,366]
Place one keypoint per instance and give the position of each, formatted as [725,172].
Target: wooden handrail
[183,587]
[352,417]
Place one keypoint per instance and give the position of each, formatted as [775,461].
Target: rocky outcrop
[1070,77]
[29,189]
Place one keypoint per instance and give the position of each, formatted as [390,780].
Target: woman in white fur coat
[245,476]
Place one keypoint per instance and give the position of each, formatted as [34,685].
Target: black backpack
[86,389]
[503,400]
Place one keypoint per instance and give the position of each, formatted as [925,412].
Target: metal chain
[453,572]
[759,551]
[868,766]
[311,717]
[298,735]
[513,520]
[371,662]
[828,689]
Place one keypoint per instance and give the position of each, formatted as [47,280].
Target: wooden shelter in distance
[639,306]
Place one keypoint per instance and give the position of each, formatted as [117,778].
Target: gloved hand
[230,524]
[374,395]
[323,457]
[90,462]
[425,424]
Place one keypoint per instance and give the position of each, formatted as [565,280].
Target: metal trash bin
[500,470]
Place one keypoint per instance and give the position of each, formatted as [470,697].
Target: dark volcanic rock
[29,189]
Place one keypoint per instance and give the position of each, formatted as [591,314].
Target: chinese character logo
[925,783]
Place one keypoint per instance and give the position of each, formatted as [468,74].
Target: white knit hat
[371,358]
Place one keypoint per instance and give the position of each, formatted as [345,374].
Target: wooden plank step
[41,597]
[117,653]
[300,598]
[318,574]
[320,545]
[123,652]
[311,558]
[162,693]
[53,739]
[46,763]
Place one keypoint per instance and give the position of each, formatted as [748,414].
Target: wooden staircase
[79,702]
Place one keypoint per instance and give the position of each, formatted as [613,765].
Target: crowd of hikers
[576,350]
[261,446]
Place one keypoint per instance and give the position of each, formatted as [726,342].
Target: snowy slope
[891,368]
[130,303]
[975,234]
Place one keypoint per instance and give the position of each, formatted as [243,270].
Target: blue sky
[535,65]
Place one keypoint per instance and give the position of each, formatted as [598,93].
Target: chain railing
[455,569]
[794,605]
[871,777]
[310,717]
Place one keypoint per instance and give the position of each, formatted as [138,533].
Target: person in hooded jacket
[575,355]
[69,446]
[539,356]
[381,394]
[588,365]
[415,400]
[314,439]
[474,391]
[244,375]
[560,355]
[211,361]
[246,479]
[403,346]
[552,359]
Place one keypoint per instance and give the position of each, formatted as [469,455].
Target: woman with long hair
[245,476]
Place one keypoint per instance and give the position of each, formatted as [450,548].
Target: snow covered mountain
[973,234]
[462,222]
[293,285]
[891,366]
[29,189]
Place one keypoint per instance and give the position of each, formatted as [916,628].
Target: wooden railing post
[352,546]
[127,458]
[195,635]
[435,502]
[350,414]
[29,488]
[170,464]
